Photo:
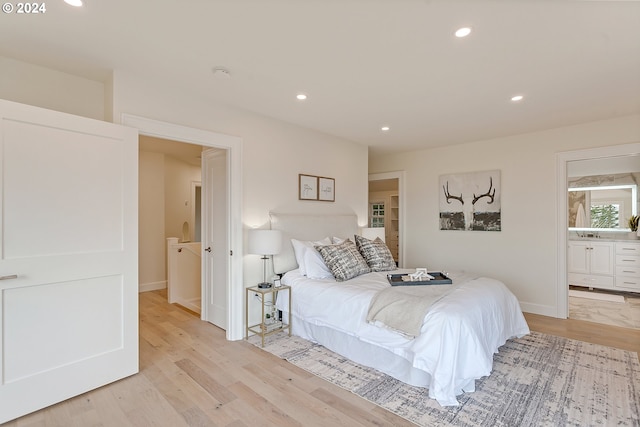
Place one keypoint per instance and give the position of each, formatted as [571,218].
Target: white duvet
[458,338]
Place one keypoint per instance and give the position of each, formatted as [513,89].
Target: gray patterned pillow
[344,260]
[376,253]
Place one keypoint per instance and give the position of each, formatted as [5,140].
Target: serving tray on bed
[438,279]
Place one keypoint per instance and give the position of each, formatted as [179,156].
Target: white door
[68,256]
[215,237]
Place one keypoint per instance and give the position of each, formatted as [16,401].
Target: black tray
[438,279]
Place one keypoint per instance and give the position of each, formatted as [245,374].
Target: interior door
[215,237]
[68,256]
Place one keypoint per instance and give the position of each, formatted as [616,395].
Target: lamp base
[264,285]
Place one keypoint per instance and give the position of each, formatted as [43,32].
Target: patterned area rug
[537,380]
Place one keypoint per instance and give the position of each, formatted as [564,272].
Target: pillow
[315,266]
[344,260]
[300,248]
[376,254]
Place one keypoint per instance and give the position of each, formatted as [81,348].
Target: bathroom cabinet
[591,264]
[628,266]
[613,265]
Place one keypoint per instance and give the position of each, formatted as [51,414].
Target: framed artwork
[471,201]
[307,187]
[327,189]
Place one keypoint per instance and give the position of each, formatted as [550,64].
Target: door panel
[215,264]
[578,258]
[70,338]
[69,320]
[91,174]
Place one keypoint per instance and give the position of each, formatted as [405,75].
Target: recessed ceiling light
[517,98]
[301,96]
[385,128]
[76,3]
[463,32]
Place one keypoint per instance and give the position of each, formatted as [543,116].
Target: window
[605,215]
[376,215]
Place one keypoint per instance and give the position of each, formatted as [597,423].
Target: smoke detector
[221,73]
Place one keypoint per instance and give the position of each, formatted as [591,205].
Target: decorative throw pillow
[376,254]
[344,260]
[302,248]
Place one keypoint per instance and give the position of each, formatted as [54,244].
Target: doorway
[232,147]
[386,208]
[602,198]
[169,210]
[596,159]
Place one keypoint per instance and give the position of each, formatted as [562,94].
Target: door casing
[233,145]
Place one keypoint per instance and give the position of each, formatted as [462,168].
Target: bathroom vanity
[604,264]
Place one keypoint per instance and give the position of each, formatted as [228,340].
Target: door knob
[208,249]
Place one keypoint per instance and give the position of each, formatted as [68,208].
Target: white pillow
[315,266]
[300,248]
[337,240]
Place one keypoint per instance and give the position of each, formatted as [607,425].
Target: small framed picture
[307,187]
[277,283]
[327,191]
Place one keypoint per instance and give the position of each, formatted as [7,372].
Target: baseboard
[543,310]
[153,286]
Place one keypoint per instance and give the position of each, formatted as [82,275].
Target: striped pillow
[376,254]
[344,260]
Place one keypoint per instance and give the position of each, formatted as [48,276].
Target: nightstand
[268,298]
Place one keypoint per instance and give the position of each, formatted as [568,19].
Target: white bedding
[459,336]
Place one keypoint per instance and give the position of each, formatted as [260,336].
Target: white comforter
[459,336]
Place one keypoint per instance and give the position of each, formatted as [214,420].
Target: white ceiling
[362,63]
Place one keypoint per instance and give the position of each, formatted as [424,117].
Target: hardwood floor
[191,376]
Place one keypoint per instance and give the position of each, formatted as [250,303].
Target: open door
[215,237]
[68,256]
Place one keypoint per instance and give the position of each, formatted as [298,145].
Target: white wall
[274,153]
[523,254]
[177,186]
[151,211]
[43,87]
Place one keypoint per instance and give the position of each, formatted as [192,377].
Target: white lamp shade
[372,233]
[265,242]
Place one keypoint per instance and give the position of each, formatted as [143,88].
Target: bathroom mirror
[602,208]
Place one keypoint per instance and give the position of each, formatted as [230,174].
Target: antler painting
[470,201]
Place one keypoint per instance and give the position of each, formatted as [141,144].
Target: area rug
[537,380]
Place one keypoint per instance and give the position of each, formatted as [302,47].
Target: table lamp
[265,243]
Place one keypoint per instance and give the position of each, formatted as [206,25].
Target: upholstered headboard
[307,227]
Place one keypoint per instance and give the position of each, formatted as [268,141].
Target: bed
[464,326]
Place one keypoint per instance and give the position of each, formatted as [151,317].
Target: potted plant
[633,223]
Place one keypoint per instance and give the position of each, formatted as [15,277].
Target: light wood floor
[191,376]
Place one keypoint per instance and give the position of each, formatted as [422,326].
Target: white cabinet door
[602,258]
[68,209]
[578,257]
